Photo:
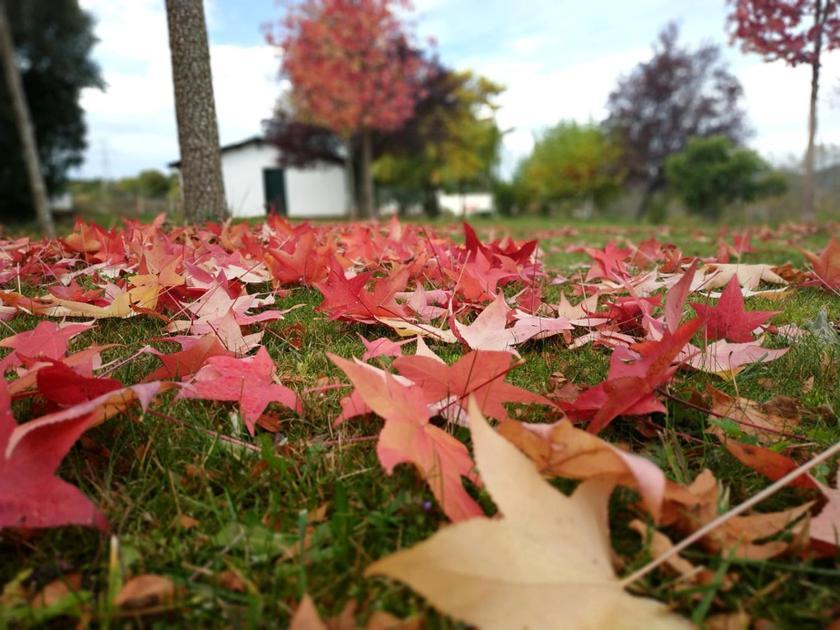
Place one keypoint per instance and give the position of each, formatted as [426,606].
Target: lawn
[245,525]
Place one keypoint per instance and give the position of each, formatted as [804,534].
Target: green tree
[570,163]
[458,140]
[149,183]
[712,173]
[52,44]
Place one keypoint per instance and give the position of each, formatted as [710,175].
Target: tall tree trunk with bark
[195,109]
[23,121]
[808,211]
[369,208]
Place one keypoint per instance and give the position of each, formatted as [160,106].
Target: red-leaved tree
[798,32]
[353,70]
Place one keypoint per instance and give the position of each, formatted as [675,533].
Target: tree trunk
[644,202]
[808,213]
[195,110]
[23,121]
[350,181]
[369,207]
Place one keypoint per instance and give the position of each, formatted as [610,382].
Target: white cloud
[131,125]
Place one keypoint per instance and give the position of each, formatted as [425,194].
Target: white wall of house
[467,204]
[316,192]
[242,172]
[310,193]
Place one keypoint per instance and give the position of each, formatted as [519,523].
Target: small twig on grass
[720,520]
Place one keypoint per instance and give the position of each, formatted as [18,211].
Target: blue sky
[558,59]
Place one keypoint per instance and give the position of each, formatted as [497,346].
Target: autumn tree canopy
[452,141]
[678,94]
[797,32]
[570,162]
[352,69]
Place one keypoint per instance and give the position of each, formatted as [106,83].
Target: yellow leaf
[545,564]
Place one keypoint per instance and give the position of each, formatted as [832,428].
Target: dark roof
[257,140]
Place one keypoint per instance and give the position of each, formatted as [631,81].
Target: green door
[274,184]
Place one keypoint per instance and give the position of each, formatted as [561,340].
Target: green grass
[253,510]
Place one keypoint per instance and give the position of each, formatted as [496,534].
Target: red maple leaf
[64,386]
[47,340]
[248,381]
[728,319]
[609,262]
[633,378]
[827,264]
[297,261]
[348,299]
[31,496]
[407,436]
[184,363]
[480,373]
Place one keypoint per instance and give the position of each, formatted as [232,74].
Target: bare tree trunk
[369,207]
[195,109]
[808,212]
[24,125]
[350,181]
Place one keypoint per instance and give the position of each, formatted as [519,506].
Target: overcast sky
[558,59]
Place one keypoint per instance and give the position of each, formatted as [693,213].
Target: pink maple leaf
[250,381]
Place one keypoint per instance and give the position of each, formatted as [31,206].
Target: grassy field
[246,526]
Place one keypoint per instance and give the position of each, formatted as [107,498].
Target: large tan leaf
[545,564]
[749,276]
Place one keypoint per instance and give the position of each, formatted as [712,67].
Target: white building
[466,204]
[255,183]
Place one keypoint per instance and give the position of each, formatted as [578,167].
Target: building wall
[467,204]
[316,192]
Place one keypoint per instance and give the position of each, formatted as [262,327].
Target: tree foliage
[452,142]
[798,32]
[712,173]
[53,41]
[353,70]
[791,30]
[676,95]
[570,162]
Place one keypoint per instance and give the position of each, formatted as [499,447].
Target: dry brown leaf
[660,544]
[825,526]
[57,590]
[187,522]
[306,616]
[762,420]
[381,620]
[231,580]
[728,621]
[561,450]
[740,533]
[145,591]
[547,561]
